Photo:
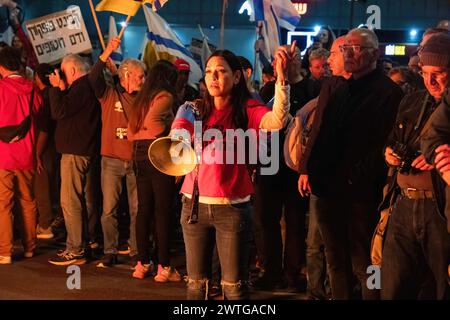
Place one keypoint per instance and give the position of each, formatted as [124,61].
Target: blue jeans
[113,170]
[78,200]
[417,245]
[230,226]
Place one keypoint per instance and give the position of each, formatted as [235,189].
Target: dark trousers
[46,187]
[272,194]
[417,248]
[155,203]
[346,228]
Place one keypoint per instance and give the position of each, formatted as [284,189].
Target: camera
[406,156]
[62,75]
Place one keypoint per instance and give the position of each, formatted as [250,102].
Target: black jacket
[329,85]
[346,159]
[78,119]
[408,127]
[438,134]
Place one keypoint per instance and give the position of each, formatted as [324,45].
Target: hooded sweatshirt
[15,95]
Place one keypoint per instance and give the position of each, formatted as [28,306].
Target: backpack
[297,135]
[10,134]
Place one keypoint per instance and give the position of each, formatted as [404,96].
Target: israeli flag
[117,55]
[273,14]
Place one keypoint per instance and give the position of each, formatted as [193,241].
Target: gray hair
[369,36]
[128,64]
[79,63]
[320,53]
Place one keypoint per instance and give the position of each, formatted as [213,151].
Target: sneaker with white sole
[108,260]
[142,270]
[42,233]
[68,258]
[166,274]
[5,260]
[124,249]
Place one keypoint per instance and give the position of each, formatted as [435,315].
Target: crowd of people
[377,138]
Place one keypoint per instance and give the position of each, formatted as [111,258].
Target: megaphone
[174,157]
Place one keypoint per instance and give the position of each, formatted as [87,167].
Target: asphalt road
[36,279]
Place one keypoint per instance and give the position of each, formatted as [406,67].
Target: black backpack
[10,134]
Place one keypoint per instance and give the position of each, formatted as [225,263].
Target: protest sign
[58,34]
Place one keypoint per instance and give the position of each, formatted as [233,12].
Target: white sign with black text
[58,34]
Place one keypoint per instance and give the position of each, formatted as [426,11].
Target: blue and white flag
[163,43]
[262,11]
[288,16]
[206,52]
[262,48]
[117,55]
[273,14]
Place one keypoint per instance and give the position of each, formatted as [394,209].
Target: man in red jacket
[17,158]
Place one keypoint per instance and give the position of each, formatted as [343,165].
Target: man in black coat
[346,167]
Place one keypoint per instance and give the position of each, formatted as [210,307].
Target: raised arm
[279,116]
[96,77]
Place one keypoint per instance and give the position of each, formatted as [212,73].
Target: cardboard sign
[58,34]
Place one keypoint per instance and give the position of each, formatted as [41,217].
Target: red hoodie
[15,95]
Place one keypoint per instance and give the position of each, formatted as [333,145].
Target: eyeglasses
[434,75]
[354,48]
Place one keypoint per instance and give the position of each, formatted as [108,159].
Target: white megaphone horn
[173,155]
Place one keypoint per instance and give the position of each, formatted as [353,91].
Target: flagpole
[123,28]
[100,36]
[256,54]
[201,31]
[222,25]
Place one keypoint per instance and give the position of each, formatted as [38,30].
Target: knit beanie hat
[436,51]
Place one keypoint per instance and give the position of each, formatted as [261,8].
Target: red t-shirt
[231,181]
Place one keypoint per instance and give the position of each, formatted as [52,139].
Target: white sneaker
[44,233]
[28,254]
[5,260]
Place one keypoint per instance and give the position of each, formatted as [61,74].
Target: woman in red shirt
[222,214]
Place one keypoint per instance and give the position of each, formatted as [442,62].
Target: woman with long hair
[324,39]
[151,118]
[216,195]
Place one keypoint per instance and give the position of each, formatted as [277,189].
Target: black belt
[413,193]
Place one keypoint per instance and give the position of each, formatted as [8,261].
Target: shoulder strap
[427,124]
[193,217]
